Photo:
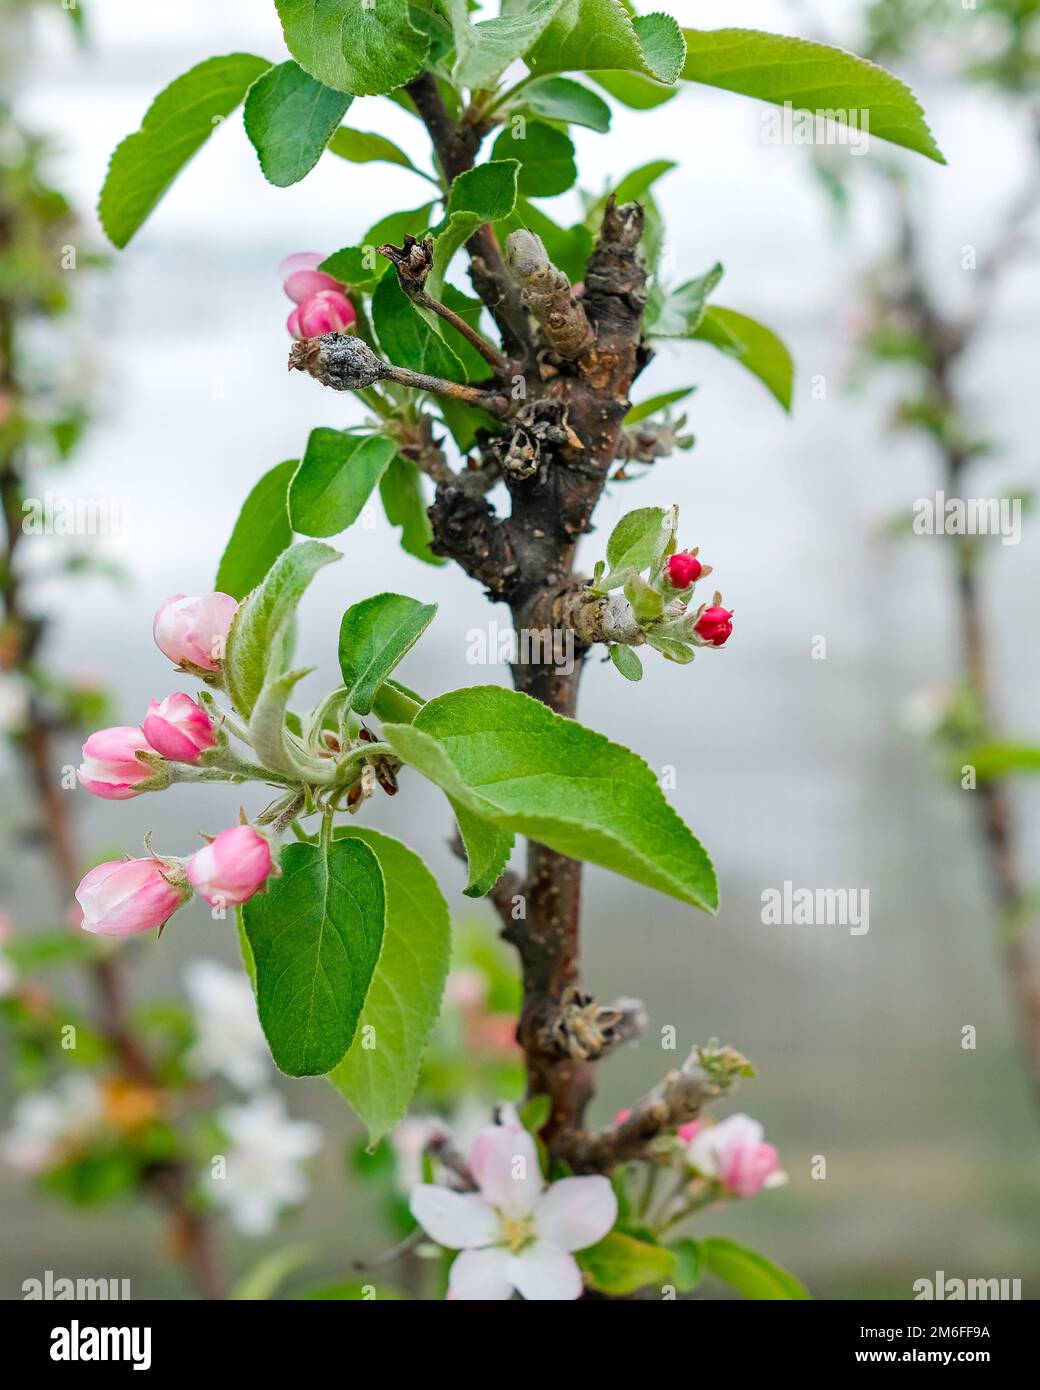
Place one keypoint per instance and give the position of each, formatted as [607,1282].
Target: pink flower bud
[178,728]
[688,1132]
[327,311]
[684,569]
[714,626]
[110,766]
[301,277]
[733,1153]
[126,896]
[232,868]
[192,632]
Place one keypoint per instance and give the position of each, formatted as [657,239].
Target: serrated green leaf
[812,77]
[375,635]
[316,935]
[625,659]
[364,147]
[486,49]
[644,409]
[589,35]
[365,47]
[336,477]
[633,90]
[484,194]
[749,1272]
[546,158]
[510,760]
[260,534]
[400,490]
[679,313]
[177,124]
[487,847]
[256,644]
[356,266]
[754,346]
[380,1071]
[620,1264]
[289,118]
[562,99]
[632,546]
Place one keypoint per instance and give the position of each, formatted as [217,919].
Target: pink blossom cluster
[124,896]
[321,304]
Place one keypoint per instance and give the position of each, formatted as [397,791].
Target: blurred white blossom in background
[265,1153]
[230,1041]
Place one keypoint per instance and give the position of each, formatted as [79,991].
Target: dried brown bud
[413,262]
[339,360]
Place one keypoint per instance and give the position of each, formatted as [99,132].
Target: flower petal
[504,1161]
[576,1212]
[481,1275]
[457,1220]
[544,1272]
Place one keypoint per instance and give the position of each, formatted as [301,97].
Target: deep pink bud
[126,896]
[232,868]
[714,626]
[327,311]
[684,569]
[192,632]
[110,766]
[688,1132]
[178,728]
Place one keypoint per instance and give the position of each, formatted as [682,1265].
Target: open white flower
[515,1233]
[230,1040]
[264,1157]
[46,1125]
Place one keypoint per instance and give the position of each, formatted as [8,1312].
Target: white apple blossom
[515,1233]
[230,1041]
[264,1172]
[45,1125]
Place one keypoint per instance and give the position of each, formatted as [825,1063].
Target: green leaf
[688,1264]
[363,147]
[380,1071]
[400,490]
[569,248]
[1001,759]
[679,312]
[546,158]
[535,1114]
[261,533]
[364,48]
[510,760]
[647,604]
[633,90]
[680,652]
[315,935]
[632,546]
[653,404]
[374,637]
[484,194]
[633,188]
[356,266]
[562,99]
[753,345]
[406,336]
[335,479]
[487,849]
[812,77]
[289,117]
[177,124]
[486,49]
[256,644]
[749,1272]
[589,35]
[625,659]
[620,1264]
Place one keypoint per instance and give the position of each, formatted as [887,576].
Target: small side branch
[413,262]
[708,1073]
